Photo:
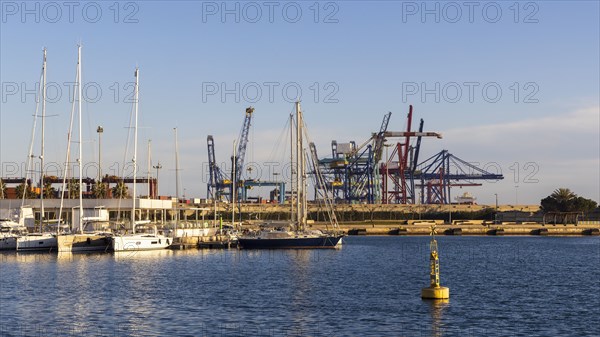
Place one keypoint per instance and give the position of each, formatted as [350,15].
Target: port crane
[442,171]
[400,167]
[220,183]
[351,172]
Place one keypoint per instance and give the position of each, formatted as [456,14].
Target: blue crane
[240,155]
[444,170]
[242,143]
[218,182]
[351,172]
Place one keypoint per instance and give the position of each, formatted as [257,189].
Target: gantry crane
[442,171]
[242,143]
[401,170]
[351,171]
[220,184]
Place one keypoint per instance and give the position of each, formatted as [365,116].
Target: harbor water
[499,286]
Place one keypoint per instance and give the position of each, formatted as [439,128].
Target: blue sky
[366,56]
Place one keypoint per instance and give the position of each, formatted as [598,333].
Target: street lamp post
[275,174]
[100,130]
[157,167]
[516,200]
[496,213]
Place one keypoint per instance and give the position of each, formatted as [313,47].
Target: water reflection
[436,310]
[141,254]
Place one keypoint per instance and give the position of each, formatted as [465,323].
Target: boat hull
[43,242]
[8,243]
[321,242]
[83,243]
[139,242]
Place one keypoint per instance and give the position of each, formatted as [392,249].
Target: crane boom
[242,144]
[412,134]
[380,138]
[217,178]
[417,148]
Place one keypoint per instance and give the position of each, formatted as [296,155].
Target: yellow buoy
[434,291]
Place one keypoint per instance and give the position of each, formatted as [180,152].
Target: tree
[120,190]
[25,189]
[49,191]
[585,205]
[99,190]
[73,187]
[563,200]
[2,189]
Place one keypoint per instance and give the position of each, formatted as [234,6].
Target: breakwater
[478,227]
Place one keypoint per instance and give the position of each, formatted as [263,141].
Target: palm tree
[120,190]
[563,195]
[49,191]
[25,189]
[73,187]
[561,200]
[99,190]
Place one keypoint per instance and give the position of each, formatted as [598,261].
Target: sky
[513,86]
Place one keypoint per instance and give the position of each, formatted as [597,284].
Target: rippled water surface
[499,286]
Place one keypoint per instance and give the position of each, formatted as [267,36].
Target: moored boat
[277,238]
[9,232]
[37,242]
[295,235]
[89,239]
[144,240]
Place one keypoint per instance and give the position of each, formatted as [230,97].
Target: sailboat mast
[148,174]
[299,192]
[292,181]
[149,165]
[68,156]
[135,136]
[176,183]
[233,185]
[42,149]
[303,177]
[80,160]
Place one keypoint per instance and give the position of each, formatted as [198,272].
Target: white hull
[183,232]
[37,242]
[8,243]
[86,242]
[137,242]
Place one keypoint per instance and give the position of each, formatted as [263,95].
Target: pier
[477,227]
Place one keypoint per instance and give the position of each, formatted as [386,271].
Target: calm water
[499,286]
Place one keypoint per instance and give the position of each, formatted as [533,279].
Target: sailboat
[294,234]
[82,238]
[151,239]
[41,241]
[9,232]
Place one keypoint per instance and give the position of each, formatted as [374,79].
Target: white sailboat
[42,241]
[149,239]
[9,232]
[294,235]
[82,238]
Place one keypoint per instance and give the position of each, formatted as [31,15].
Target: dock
[203,242]
[474,227]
